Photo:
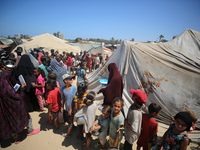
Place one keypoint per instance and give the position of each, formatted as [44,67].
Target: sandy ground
[51,139]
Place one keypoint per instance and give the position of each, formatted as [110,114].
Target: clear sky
[143,20]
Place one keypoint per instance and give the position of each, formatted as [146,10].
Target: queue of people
[48,83]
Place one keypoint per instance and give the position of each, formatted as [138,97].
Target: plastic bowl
[103,82]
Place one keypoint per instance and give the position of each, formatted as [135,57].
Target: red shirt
[86,57]
[69,61]
[54,98]
[149,128]
[90,64]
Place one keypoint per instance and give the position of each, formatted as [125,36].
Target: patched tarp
[168,72]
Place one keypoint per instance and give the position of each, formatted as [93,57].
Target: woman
[59,70]
[14,113]
[25,68]
[115,85]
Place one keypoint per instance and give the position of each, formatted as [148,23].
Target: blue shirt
[80,74]
[104,123]
[45,70]
[115,123]
[68,95]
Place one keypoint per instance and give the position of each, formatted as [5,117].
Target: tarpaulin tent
[85,46]
[168,72]
[102,50]
[48,42]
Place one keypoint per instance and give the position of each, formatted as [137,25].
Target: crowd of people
[48,83]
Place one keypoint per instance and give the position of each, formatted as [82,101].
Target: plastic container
[103,82]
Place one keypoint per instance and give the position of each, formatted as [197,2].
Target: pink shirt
[40,90]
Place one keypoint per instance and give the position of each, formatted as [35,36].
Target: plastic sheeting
[168,72]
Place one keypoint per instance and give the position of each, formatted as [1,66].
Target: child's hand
[61,109]
[92,129]
[23,85]
[69,112]
[49,114]
[33,84]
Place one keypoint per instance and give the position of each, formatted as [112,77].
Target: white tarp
[168,72]
[48,42]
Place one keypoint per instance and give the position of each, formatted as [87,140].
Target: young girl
[53,101]
[81,73]
[88,115]
[102,123]
[39,87]
[116,123]
[176,136]
[79,103]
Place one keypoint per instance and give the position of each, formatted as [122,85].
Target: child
[194,119]
[79,103]
[52,76]
[90,65]
[39,87]
[116,123]
[81,73]
[134,118]
[53,101]
[81,95]
[176,136]
[68,93]
[88,115]
[149,127]
[102,123]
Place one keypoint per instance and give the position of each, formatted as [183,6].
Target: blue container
[103,82]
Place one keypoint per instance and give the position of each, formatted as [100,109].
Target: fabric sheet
[168,72]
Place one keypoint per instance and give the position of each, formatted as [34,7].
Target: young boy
[68,93]
[53,101]
[149,127]
[134,118]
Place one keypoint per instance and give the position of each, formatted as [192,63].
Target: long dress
[115,85]
[13,111]
[26,69]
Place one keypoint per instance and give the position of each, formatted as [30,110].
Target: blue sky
[143,20]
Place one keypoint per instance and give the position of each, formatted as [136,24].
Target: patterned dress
[13,111]
[173,141]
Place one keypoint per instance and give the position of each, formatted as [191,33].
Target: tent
[48,42]
[85,46]
[168,72]
[103,50]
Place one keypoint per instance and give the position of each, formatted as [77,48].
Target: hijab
[33,60]
[26,69]
[115,85]
[59,70]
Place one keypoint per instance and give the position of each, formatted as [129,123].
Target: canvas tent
[103,50]
[86,47]
[168,72]
[48,42]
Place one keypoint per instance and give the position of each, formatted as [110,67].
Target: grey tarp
[168,72]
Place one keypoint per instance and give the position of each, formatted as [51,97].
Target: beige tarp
[48,42]
[168,72]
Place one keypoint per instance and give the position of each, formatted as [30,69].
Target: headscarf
[59,70]
[25,68]
[115,85]
[14,114]
[33,60]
